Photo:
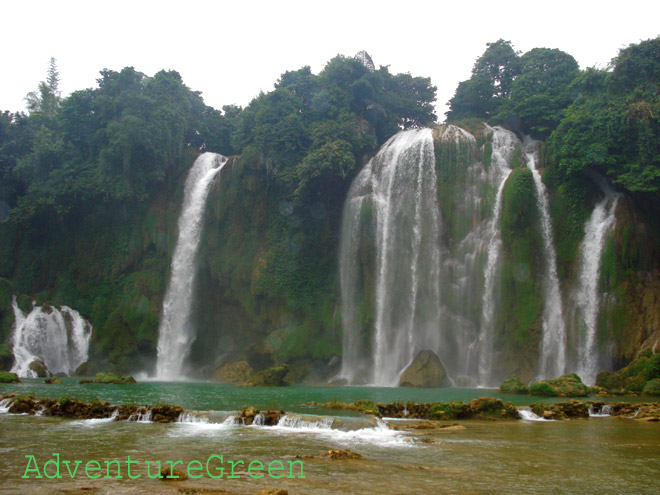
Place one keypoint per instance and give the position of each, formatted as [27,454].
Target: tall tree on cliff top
[46,99]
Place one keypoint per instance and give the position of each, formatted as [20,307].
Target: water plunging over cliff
[175,332]
[505,143]
[391,210]
[57,336]
[587,297]
[553,342]
[419,256]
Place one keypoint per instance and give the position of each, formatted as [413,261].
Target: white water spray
[553,343]
[175,332]
[587,300]
[57,336]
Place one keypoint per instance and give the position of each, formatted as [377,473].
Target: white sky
[230,50]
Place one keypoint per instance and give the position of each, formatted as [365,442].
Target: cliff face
[268,288]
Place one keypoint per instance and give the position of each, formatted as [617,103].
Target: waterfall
[505,143]
[58,337]
[587,299]
[175,332]
[553,343]
[398,189]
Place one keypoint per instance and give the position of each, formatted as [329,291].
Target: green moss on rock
[513,385]
[569,385]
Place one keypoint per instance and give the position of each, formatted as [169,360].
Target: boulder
[236,372]
[565,386]
[114,378]
[270,377]
[169,474]
[425,371]
[343,454]
[39,367]
[513,385]
[52,381]
[7,377]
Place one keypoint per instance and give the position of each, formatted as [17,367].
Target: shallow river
[596,455]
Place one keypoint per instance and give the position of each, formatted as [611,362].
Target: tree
[490,84]
[46,99]
[541,92]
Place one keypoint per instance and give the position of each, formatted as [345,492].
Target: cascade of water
[505,143]
[553,343]
[398,186]
[57,336]
[175,332]
[587,298]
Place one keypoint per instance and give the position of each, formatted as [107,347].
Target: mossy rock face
[114,378]
[236,372]
[6,357]
[7,377]
[652,387]
[39,367]
[425,371]
[634,377]
[513,385]
[270,377]
[561,410]
[569,385]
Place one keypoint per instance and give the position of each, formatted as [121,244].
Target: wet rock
[236,372]
[7,377]
[39,367]
[425,371]
[114,378]
[343,454]
[273,491]
[513,385]
[169,474]
[166,413]
[249,416]
[561,410]
[85,381]
[270,377]
[569,385]
[84,369]
[52,381]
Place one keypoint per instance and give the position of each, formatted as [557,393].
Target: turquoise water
[597,455]
[224,397]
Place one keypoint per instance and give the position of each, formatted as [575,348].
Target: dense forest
[91,185]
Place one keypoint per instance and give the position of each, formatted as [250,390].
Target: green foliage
[513,385]
[489,86]
[7,377]
[613,123]
[652,387]
[542,389]
[652,370]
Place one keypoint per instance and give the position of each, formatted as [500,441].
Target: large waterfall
[57,336]
[587,300]
[175,332]
[419,252]
[505,144]
[397,190]
[553,343]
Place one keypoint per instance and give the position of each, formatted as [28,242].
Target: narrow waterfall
[587,300]
[553,343]
[57,336]
[505,143]
[397,189]
[175,332]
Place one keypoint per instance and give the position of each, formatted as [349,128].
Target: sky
[232,50]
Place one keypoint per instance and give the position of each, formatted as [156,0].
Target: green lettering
[271,469]
[68,468]
[291,463]
[196,476]
[233,476]
[158,475]
[260,468]
[56,463]
[88,469]
[31,459]
[222,470]
[107,470]
[172,464]
[128,464]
